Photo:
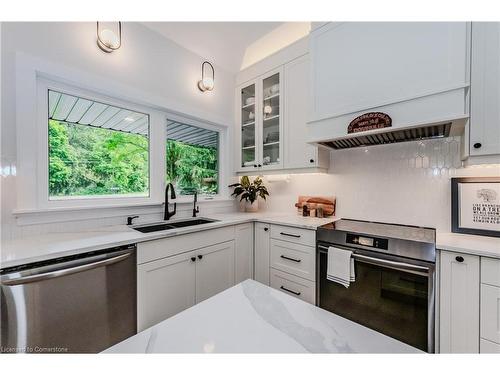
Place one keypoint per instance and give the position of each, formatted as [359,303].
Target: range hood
[397,134]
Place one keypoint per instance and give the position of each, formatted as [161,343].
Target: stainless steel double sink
[155,227]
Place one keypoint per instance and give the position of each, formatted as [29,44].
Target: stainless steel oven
[395,278]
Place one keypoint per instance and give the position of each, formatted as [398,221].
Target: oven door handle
[399,266]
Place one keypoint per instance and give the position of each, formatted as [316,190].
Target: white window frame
[34,207]
[156,161]
[222,156]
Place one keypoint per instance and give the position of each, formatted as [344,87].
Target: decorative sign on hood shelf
[369,121]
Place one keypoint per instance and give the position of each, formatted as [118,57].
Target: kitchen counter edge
[468,244]
[20,252]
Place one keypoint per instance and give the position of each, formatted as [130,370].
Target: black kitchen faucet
[169,214]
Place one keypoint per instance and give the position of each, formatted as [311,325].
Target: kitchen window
[192,158]
[96,150]
[88,149]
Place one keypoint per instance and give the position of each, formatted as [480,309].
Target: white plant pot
[252,207]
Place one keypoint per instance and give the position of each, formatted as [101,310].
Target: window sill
[77,213]
[181,200]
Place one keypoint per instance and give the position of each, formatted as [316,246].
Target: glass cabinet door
[248,133]
[271,120]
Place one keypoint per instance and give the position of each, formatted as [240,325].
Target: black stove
[393,291]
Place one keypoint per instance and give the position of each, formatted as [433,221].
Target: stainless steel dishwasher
[77,304]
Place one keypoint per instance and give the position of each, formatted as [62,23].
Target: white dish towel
[340,267]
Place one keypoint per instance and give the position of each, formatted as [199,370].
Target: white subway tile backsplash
[407,183]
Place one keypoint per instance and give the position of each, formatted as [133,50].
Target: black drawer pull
[290,235]
[459,259]
[477,145]
[292,259]
[200,256]
[266,229]
[289,291]
[193,259]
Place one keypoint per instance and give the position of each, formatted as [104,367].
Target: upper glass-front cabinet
[271,120]
[261,123]
[248,128]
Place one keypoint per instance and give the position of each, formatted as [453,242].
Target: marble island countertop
[54,245]
[254,318]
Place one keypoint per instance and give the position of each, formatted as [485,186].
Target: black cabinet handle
[289,291]
[459,259]
[292,259]
[311,160]
[200,256]
[260,165]
[266,229]
[290,235]
[255,165]
[477,145]
[193,259]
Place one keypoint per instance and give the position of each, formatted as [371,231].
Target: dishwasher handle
[65,271]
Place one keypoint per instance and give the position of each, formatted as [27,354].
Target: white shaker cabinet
[214,270]
[262,252]
[490,305]
[490,313]
[485,89]
[298,153]
[459,303]
[164,288]
[243,253]
[273,101]
[169,284]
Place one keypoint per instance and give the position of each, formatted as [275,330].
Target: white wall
[146,62]
[279,38]
[406,183]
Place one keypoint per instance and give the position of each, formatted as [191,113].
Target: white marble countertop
[53,245]
[469,244]
[254,318]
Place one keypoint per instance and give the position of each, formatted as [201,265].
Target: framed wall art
[475,205]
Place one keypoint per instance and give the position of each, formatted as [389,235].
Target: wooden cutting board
[327,203]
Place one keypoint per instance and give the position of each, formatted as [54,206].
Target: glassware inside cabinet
[271,120]
[248,144]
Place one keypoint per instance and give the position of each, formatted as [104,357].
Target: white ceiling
[223,43]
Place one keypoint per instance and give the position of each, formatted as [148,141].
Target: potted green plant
[250,192]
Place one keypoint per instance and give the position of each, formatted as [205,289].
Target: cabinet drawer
[489,347]
[296,235]
[166,247]
[293,286]
[490,313]
[293,258]
[490,271]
